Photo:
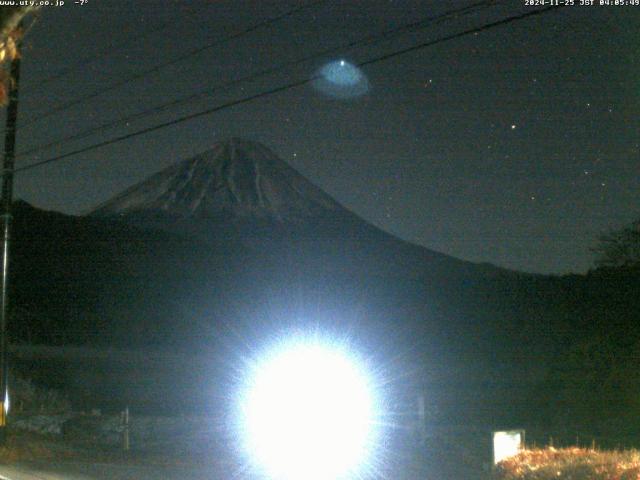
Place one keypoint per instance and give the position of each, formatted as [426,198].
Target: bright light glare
[506,444]
[307,413]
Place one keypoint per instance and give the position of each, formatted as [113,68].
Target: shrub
[570,464]
[29,398]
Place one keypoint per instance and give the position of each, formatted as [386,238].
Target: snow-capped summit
[237,178]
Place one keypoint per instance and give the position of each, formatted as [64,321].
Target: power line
[160,66]
[368,40]
[282,88]
[103,53]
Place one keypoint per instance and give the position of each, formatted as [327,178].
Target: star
[513,127]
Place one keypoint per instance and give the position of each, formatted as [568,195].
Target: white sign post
[507,444]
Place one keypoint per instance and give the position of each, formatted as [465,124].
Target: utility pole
[6,217]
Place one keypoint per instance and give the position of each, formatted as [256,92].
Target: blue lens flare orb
[307,411]
[341,79]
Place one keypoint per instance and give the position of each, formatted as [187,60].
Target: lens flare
[307,412]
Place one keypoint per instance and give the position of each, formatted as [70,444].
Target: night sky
[517,145]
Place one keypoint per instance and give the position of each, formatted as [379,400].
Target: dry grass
[23,446]
[570,464]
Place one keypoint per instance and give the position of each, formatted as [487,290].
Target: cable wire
[100,54]
[366,41]
[282,88]
[156,68]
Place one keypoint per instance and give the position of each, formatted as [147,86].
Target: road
[102,471]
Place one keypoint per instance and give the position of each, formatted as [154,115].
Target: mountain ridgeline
[233,246]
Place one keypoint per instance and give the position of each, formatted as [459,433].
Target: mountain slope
[236,178]
[486,346]
[240,193]
[229,235]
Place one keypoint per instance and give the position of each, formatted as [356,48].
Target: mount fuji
[236,179]
[241,194]
[232,229]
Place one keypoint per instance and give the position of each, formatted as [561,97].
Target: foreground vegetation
[570,464]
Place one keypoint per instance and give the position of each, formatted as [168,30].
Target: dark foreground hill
[224,251]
